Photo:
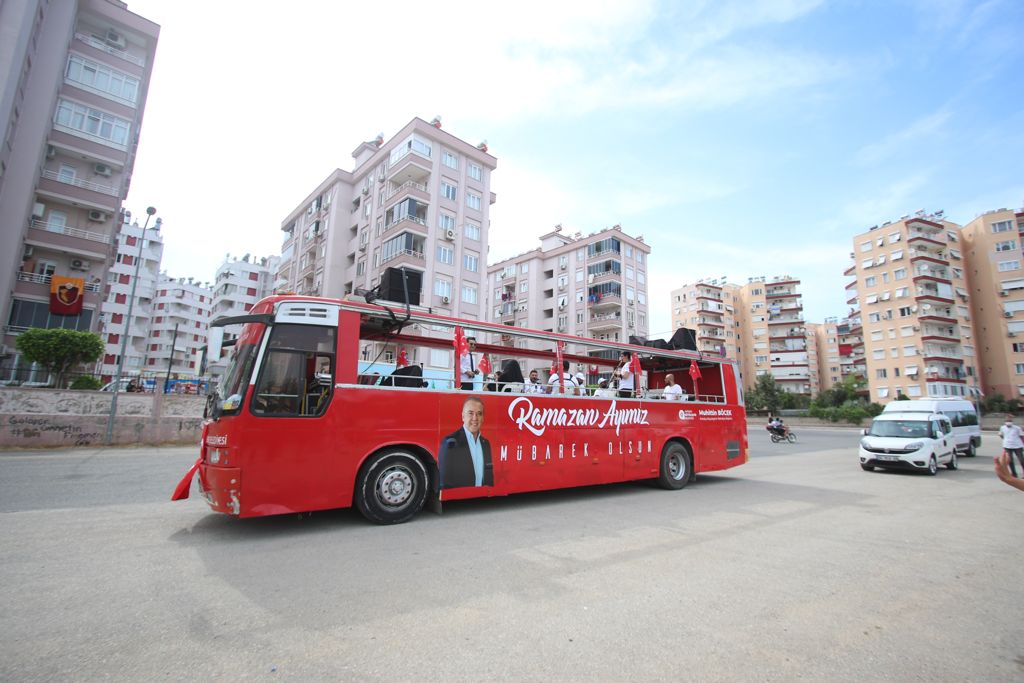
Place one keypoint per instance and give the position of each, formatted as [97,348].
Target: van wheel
[933,466]
[971,451]
[952,464]
[676,467]
[392,487]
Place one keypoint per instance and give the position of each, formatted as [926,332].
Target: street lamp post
[127,328]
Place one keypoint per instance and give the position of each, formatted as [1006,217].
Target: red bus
[301,421]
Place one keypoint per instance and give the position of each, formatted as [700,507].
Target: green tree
[58,350]
[766,395]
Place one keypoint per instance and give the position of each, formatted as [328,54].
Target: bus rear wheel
[392,487]
[676,466]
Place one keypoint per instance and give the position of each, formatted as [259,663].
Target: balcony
[419,225]
[75,189]
[607,321]
[404,257]
[607,301]
[414,166]
[69,240]
[604,276]
[103,47]
[409,189]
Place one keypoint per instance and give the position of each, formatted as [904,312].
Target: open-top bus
[299,422]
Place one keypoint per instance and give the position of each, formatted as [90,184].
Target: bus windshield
[236,377]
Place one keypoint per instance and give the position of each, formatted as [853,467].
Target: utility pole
[170,357]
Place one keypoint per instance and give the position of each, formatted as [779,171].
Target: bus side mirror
[323,379]
[214,343]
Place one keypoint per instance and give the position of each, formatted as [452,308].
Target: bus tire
[676,466]
[392,487]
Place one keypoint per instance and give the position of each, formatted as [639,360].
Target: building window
[361,267]
[865,246]
[1018,368]
[1008,265]
[440,358]
[475,172]
[449,160]
[870,281]
[473,201]
[524,268]
[899,273]
[471,231]
[443,287]
[880,373]
[102,79]
[449,191]
[1002,226]
[641,298]
[905,311]
[469,294]
[445,254]
[524,287]
[1008,245]
[93,122]
[470,261]
[445,222]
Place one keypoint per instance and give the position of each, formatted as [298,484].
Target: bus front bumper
[220,486]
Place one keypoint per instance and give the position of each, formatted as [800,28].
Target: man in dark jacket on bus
[464,457]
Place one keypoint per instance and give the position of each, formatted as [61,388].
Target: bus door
[289,431]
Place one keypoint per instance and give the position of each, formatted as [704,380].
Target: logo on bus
[537,420]
[217,440]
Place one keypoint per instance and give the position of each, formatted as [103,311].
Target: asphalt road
[797,565]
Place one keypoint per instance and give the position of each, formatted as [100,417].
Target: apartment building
[589,286]
[774,337]
[420,200]
[910,310]
[709,308]
[241,282]
[181,317]
[825,336]
[992,246]
[136,266]
[75,79]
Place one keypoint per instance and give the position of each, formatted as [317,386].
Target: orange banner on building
[66,295]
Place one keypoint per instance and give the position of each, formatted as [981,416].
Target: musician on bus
[464,457]
[627,380]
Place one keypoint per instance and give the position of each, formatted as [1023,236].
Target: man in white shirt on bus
[533,385]
[469,371]
[672,391]
[555,381]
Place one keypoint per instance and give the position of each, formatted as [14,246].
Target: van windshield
[905,429]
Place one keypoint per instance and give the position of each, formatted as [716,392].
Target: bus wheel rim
[395,486]
[676,466]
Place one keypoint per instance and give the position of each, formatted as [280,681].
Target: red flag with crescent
[694,371]
[67,294]
[485,365]
[403,359]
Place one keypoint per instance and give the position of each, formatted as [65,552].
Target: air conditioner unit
[80,264]
[51,151]
[362,247]
[1011,334]
[115,39]
[27,252]
[366,190]
[97,216]
[562,266]
[38,209]
[1007,314]
[1004,293]
[102,169]
[446,299]
[449,234]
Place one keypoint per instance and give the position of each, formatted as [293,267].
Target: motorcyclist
[776,426]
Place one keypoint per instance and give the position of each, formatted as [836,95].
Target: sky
[739,138]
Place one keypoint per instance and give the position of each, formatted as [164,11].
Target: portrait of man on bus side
[464,457]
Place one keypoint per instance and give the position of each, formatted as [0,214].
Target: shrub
[86,382]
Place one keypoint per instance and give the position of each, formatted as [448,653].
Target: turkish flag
[403,360]
[634,365]
[485,365]
[67,294]
[461,348]
[694,371]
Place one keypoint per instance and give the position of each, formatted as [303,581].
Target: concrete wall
[56,418]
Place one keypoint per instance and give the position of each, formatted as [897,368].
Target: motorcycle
[778,437]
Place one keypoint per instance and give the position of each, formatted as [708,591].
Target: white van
[909,441]
[961,415]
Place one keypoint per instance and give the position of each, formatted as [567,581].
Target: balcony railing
[404,252]
[409,185]
[123,146]
[100,45]
[72,232]
[85,184]
[45,280]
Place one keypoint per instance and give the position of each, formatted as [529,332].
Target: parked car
[961,414]
[130,384]
[909,441]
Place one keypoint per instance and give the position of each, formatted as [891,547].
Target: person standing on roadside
[1013,443]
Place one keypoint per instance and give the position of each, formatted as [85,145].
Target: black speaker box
[392,288]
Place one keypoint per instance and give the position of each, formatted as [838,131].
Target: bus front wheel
[676,466]
[392,487]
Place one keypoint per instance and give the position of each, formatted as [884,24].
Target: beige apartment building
[586,285]
[708,307]
[181,317]
[992,246]
[75,79]
[775,339]
[910,311]
[420,200]
[825,348]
